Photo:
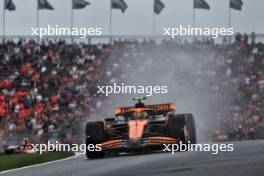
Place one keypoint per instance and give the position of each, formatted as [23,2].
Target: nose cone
[136,128]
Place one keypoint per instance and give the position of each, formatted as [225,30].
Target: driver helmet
[139,115]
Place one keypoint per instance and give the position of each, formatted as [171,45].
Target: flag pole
[229,23]
[154,21]
[110,21]
[194,20]
[72,19]
[37,18]
[194,17]
[4,21]
[154,25]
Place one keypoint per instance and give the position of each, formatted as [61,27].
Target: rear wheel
[190,128]
[94,135]
[10,151]
[182,127]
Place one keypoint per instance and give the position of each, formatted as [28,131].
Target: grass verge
[20,160]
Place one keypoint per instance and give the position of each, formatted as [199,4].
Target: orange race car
[140,128]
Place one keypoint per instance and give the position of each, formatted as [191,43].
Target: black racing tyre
[10,151]
[175,126]
[190,128]
[182,127]
[94,135]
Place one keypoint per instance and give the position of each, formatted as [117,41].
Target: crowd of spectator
[242,86]
[48,90]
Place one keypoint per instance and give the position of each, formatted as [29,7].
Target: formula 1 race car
[141,128]
[23,148]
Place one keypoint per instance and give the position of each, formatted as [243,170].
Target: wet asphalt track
[246,160]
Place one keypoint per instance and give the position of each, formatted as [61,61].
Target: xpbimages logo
[212,148]
[197,31]
[131,89]
[49,147]
[65,31]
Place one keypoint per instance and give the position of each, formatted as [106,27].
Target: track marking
[41,164]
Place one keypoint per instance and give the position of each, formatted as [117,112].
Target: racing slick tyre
[182,127]
[190,129]
[176,127]
[94,135]
[10,151]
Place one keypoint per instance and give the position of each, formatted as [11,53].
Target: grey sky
[138,17]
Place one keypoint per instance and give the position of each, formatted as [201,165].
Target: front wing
[141,143]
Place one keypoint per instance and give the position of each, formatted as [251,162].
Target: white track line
[41,164]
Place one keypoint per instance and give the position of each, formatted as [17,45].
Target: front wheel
[182,127]
[94,135]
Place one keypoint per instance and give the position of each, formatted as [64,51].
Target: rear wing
[159,108]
